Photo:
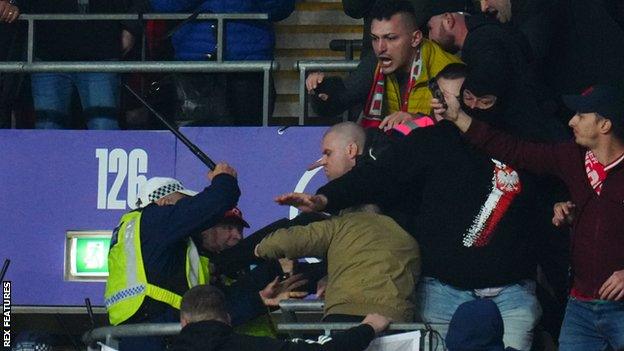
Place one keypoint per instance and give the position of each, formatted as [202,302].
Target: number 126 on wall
[127,168]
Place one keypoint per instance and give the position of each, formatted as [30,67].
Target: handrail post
[112,342]
[31,39]
[303,101]
[220,39]
[266,76]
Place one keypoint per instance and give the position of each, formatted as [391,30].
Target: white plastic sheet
[397,342]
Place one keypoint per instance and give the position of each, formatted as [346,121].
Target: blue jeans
[436,302]
[99,96]
[590,326]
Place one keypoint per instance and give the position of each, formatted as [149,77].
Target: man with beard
[485,249]
[393,82]
[497,64]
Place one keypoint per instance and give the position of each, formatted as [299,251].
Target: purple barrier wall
[54,181]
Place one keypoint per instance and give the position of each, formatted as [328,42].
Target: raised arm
[534,157]
[298,241]
[194,214]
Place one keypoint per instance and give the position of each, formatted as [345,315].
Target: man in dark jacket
[158,252]
[592,170]
[568,38]
[499,63]
[206,326]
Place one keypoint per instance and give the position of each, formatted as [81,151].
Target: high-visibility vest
[127,285]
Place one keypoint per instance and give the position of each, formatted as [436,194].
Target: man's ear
[417,38]
[606,126]
[352,150]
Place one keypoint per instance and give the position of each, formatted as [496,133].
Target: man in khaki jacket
[373,264]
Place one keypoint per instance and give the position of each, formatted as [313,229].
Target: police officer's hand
[222,168]
[277,291]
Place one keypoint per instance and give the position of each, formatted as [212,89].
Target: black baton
[194,149]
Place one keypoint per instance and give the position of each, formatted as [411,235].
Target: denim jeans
[436,302]
[590,326]
[99,96]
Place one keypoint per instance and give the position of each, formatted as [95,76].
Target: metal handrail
[317,65]
[145,66]
[302,305]
[150,66]
[327,327]
[219,17]
[111,334]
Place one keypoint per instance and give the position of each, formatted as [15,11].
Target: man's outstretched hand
[277,291]
[304,202]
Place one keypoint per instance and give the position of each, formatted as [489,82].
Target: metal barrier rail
[219,66]
[289,307]
[110,335]
[427,330]
[220,17]
[324,65]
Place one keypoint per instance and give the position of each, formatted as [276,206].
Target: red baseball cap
[235,215]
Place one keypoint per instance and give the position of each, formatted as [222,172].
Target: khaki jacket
[373,264]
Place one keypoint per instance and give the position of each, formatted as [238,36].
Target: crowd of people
[456,198]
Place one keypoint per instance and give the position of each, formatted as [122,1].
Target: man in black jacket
[499,60]
[206,326]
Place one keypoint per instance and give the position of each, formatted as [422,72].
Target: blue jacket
[164,234]
[244,40]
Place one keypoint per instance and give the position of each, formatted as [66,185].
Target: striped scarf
[374,103]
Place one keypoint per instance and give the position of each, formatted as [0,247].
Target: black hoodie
[218,336]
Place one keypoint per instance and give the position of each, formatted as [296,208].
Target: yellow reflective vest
[434,59]
[127,285]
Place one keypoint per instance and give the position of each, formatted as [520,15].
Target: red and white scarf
[596,171]
[374,104]
[506,186]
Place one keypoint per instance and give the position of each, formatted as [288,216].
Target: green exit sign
[86,255]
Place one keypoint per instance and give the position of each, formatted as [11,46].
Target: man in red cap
[159,251]
[593,171]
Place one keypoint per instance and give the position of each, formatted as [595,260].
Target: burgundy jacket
[598,229]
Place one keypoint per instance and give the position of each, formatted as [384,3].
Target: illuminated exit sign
[86,255]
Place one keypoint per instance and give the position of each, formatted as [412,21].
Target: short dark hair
[202,303]
[385,9]
[454,70]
